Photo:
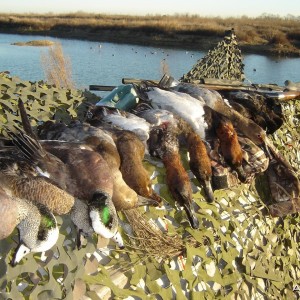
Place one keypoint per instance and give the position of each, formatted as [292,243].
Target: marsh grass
[187,30]
[57,67]
[36,43]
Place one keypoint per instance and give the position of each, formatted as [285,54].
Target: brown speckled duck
[164,144]
[132,187]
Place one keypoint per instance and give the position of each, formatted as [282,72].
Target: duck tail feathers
[25,120]
[30,147]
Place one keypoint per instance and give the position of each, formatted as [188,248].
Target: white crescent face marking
[43,173]
[99,227]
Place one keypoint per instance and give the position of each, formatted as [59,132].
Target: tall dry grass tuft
[57,67]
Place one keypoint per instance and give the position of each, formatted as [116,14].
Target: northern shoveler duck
[38,230]
[165,146]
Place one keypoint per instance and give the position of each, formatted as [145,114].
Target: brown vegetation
[35,43]
[261,34]
[57,67]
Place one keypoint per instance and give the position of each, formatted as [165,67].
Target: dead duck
[96,189]
[132,187]
[132,152]
[199,161]
[185,106]
[165,146]
[264,111]
[200,164]
[37,226]
[21,179]
[230,146]
[10,211]
[120,119]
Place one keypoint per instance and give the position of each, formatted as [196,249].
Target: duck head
[163,139]
[103,214]
[44,239]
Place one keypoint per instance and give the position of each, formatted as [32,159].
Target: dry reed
[57,67]
[149,240]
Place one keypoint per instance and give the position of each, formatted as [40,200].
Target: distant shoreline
[276,37]
[124,37]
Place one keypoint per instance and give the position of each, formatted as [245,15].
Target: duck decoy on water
[37,226]
[164,144]
[95,188]
[136,189]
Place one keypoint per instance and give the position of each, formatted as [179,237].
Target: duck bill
[208,191]
[241,174]
[159,200]
[117,238]
[191,216]
[142,201]
[20,252]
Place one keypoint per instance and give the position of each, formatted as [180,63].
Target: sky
[211,8]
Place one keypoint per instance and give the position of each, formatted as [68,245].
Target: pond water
[108,63]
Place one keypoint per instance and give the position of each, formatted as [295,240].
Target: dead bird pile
[92,169]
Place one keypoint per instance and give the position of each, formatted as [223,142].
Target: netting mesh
[223,62]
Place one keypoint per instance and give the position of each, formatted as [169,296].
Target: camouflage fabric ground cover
[223,62]
[240,252]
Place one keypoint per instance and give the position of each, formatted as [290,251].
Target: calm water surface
[108,63]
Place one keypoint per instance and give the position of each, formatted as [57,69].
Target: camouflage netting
[240,252]
[223,62]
